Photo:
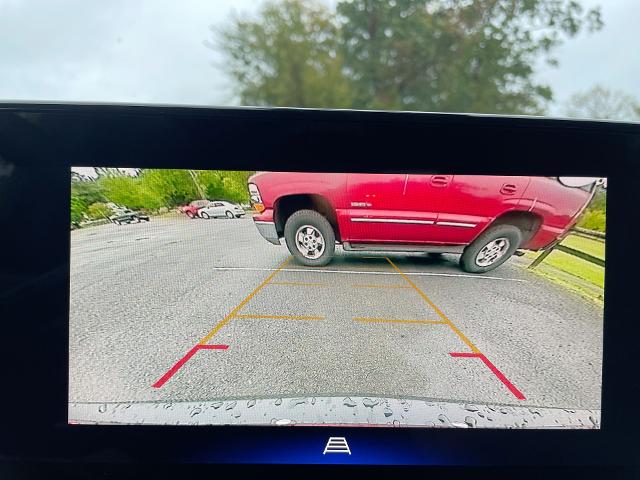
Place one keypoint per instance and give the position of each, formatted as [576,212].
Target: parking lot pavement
[189,310]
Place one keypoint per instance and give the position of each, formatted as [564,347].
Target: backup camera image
[213,297]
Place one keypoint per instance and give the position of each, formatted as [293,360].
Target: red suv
[483,218]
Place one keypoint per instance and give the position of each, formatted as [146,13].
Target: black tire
[322,225]
[470,254]
[204,215]
[229,214]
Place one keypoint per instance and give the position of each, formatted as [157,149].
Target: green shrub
[98,210]
[593,220]
[78,208]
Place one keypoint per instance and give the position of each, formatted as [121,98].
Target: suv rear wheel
[491,249]
[310,238]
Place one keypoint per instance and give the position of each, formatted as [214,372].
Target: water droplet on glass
[387,412]
[593,420]
[470,421]
[279,402]
[231,405]
[251,403]
[504,411]
[235,414]
[313,400]
[368,402]
[396,423]
[471,408]
[443,418]
[102,408]
[284,421]
[217,405]
[348,402]
[297,401]
[196,411]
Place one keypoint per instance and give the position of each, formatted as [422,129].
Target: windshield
[387,299]
[541,57]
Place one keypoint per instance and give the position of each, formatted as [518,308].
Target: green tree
[211,181]
[455,55]
[89,191]
[439,55]
[130,192]
[602,103]
[169,187]
[288,56]
[110,172]
[225,185]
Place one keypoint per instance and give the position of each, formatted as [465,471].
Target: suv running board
[385,247]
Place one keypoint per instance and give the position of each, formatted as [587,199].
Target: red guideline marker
[184,360]
[518,394]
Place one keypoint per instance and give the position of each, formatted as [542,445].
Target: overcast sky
[152,51]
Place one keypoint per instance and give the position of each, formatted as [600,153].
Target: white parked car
[220,208]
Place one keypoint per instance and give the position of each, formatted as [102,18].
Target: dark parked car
[129,216]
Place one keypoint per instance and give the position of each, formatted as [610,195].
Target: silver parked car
[220,208]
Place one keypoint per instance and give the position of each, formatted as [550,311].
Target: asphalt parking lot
[190,310]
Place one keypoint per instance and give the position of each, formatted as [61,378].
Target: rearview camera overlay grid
[212,297]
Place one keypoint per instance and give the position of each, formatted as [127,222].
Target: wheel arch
[528,223]
[286,205]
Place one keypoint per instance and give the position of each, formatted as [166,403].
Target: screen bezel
[50,138]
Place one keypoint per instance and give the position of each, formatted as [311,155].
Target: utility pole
[194,177]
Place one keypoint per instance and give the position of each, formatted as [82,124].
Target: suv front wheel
[491,249]
[310,238]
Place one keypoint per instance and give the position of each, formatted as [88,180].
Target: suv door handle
[440,180]
[508,189]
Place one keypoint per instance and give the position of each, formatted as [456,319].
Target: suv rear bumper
[268,231]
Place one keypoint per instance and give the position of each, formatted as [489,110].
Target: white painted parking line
[361,272]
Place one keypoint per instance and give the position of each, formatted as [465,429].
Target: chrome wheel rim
[310,242]
[492,252]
